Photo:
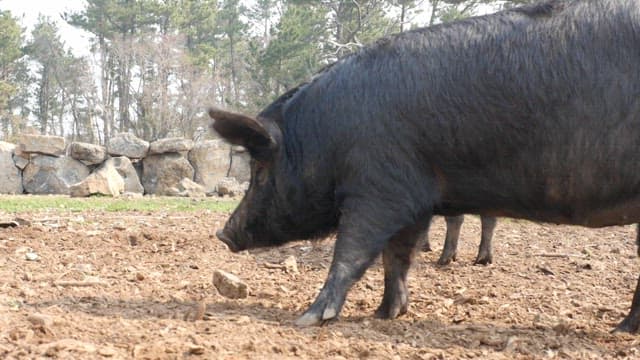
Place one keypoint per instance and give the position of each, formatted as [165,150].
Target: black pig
[529,113]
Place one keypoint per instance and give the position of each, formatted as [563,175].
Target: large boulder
[178,145]
[162,173]
[10,176]
[52,175]
[240,164]
[103,181]
[128,173]
[88,154]
[42,144]
[210,160]
[125,144]
[189,188]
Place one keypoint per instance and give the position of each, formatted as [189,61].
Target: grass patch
[26,203]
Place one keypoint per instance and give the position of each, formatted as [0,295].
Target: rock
[229,285]
[240,165]
[52,175]
[128,173]
[37,319]
[22,221]
[88,154]
[177,145]
[107,351]
[137,165]
[21,250]
[104,181]
[20,158]
[42,144]
[210,160]
[10,176]
[230,187]
[196,349]
[290,265]
[189,188]
[67,345]
[8,224]
[20,162]
[131,195]
[162,173]
[125,144]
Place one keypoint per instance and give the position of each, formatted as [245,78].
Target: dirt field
[139,285]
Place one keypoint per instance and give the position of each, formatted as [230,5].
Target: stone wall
[41,164]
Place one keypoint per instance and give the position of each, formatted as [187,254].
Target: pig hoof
[308,319]
[483,260]
[626,326]
[312,319]
[329,313]
[446,260]
[391,309]
[390,313]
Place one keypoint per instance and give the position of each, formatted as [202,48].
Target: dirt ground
[139,285]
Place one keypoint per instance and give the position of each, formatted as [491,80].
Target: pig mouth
[227,241]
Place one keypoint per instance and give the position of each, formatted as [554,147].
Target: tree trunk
[105,80]
[234,74]
[61,114]
[43,101]
[434,10]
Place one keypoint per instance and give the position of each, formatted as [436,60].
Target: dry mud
[139,285]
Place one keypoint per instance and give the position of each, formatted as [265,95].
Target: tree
[450,10]
[354,23]
[12,73]
[46,51]
[295,51]
[80,94]
[406,11]
[231,26]
[262,15]
[95,20]
[114,22]
[156,61]
[196,21]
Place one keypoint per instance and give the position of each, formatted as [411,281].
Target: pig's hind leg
[485,255]
[454,223]
[397,257]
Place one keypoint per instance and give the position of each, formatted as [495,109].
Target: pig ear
[242,130]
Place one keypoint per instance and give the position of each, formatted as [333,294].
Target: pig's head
[259,219]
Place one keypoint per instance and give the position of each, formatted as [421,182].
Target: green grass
[25,203]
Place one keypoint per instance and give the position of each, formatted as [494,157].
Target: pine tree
[12,74]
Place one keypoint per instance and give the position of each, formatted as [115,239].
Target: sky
[27,13]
